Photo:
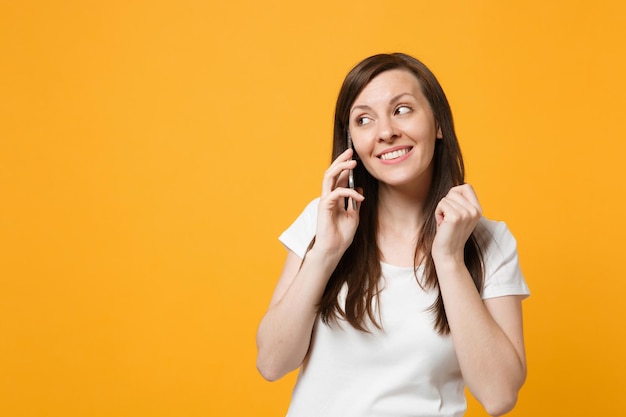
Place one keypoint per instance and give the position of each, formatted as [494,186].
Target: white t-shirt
[405,369]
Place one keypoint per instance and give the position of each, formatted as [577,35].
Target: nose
[387,131]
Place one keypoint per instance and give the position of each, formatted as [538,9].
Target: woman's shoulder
[311,207]
[490,230]
[503,275]
[495,239]
[299,234]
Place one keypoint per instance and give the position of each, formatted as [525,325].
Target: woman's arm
[488,339]
[284,333]
[487,335]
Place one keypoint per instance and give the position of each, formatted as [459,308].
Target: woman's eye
[403,110]
[363,120]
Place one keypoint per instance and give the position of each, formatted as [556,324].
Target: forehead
[389,84]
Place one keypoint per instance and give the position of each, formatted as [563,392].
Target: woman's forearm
[491,358]
[284,334]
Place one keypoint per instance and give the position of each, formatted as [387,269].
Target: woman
[395,295]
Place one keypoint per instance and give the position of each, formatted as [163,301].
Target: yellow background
[151,153]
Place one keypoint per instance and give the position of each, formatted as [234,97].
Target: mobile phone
[350,173]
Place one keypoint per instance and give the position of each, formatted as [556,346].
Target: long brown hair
[359,267]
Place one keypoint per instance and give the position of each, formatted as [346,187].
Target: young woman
[396,294]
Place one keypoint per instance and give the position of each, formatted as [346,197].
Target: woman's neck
[400,218]
[401,208]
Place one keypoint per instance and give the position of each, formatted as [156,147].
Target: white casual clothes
[407,368]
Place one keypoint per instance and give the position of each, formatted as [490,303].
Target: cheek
[364,155]
[360,148]
[423,130]
[357,152]
[361,151]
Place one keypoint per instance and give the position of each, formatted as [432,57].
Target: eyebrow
[393,100]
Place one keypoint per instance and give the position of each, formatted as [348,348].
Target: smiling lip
[396,154]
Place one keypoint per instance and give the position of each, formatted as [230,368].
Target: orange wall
[151,152]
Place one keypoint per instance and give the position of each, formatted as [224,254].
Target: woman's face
[393,129]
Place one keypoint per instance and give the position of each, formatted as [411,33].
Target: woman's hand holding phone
[336,223]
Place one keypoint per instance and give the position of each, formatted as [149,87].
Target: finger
[459,209]
[333,172]
[356,204]
[347,193]
[342,179]
[466,191]
[461,201]
[348,153]
[455,208]
[470,194]
[336,198]
[344,156]
[444,211]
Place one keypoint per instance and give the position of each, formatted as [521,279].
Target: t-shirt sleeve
[299,235]
[503,275]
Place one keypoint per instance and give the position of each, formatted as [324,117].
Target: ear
[439,134]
